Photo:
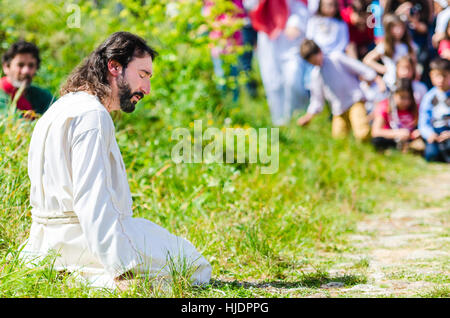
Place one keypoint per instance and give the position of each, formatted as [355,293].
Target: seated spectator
[406,68]
[20,64]
[362,38]
[443,15]
[395,123]
[417,14]
[434,113]
[444,44]
[335,77]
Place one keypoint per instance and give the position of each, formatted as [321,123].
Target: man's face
[134,82]
[440,79]
[22,68]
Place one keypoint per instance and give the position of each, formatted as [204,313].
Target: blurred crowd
[382,67]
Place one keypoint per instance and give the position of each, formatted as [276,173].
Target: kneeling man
[80,198]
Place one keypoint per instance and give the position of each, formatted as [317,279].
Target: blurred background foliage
[67,31]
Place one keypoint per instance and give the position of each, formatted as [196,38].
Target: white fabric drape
[82,205]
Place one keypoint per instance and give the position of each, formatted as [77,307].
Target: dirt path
[404,253]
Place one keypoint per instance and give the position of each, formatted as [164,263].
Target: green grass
[254,229]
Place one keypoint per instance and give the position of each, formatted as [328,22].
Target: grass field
[259,232]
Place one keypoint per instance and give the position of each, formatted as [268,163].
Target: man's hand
[292,33]
[305,119]
[433,138]
[443,136]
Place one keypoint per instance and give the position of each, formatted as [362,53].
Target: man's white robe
[81,201]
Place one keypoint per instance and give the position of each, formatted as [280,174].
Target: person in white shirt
[396,44]
[80,197]
[335,78]
[327,28]
[280,33]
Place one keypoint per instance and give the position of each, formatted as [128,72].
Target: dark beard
[125,96]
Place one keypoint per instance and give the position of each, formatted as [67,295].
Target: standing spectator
[335,78]
[434,114]
[395,123]
[225,45]
[362,38]
[396,44]
[281,26]
[20,64]
[327,29]
[249,39]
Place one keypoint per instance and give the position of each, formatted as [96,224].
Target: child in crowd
[396,44]
[362,38]
[444,44]
[327,29]
[395,120]
[406,68]
[434,114]
[335,77]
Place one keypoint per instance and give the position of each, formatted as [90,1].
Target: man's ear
[114,68]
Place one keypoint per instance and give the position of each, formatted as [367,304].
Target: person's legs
[340,125]
[271,77]
[249,37]
[295,94]
[444,148]
[432,152]
[359,121]
[381,143]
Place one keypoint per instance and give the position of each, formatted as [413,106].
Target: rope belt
[68,217]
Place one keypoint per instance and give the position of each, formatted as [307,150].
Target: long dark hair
[338,11]
[405,85]
[92,74]
[389,20]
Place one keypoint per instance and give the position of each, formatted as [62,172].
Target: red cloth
[405,117]
[357,36]
[443,45]
[270,17]
[22,102]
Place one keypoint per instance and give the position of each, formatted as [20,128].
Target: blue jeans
[438,151]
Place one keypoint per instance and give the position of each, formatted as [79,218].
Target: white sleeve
[442,21]
[317,95]
[310,26]
[99,216]
[343,36]
[298,17]
[356,67]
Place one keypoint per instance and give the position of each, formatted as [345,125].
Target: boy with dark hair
[20,64]
[335,78]
[434,114]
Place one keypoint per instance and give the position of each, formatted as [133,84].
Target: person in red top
[395,123]
[362,38]
[20,64]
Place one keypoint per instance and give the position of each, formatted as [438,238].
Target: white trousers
[282,73]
